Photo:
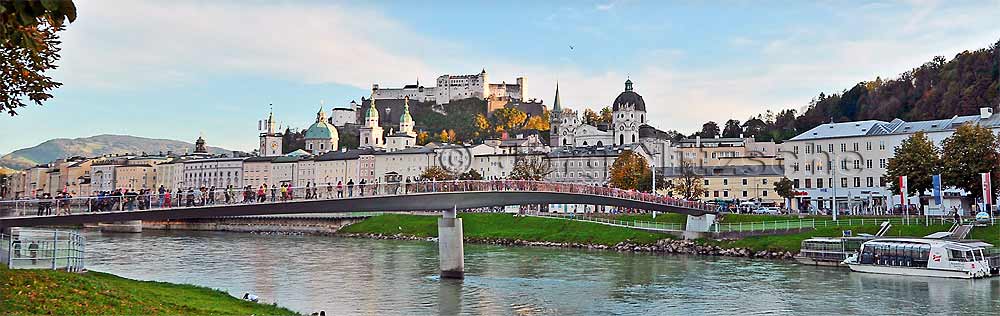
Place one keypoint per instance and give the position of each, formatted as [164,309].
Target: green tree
[785,190]
[971,150]
[606,115]
[628,170]
[732,129]
[472,174]
[29,46]
[709,130]
[918,159]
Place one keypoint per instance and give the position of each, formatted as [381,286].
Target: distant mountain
[94,146]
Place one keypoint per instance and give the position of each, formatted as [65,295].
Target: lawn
[38,292]
[506,226]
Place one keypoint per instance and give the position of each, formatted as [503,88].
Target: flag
[987,189]
[936,182]
[903,188]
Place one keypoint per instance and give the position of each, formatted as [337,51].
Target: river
[345,276]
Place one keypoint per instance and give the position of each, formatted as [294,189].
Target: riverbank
[505,229]
[49,292]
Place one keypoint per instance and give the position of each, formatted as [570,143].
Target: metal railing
[812,223]
[614,222]
[42,249]
[130,201]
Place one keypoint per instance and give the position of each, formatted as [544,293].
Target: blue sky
[178,69]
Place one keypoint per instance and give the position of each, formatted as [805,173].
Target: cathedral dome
[629,98]
[321,129]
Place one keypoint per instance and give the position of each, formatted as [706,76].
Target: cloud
[122,44]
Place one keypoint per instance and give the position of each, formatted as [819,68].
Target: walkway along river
[389,277]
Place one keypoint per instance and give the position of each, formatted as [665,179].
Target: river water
[344,276]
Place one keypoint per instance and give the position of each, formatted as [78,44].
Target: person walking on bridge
[274,192]
[340,189]
[350,187]
[262,193]
[162,190]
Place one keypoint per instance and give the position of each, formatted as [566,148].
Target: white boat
[922,257]
[828,251]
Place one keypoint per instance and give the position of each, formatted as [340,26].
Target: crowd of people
[129,199]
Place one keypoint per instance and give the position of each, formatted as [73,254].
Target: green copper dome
[321,129]
[406,112]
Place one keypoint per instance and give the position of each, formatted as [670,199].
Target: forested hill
[940,88]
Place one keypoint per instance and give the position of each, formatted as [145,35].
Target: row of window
[743,181]
[857,164]
[856,181]
[843,147]
[725,194]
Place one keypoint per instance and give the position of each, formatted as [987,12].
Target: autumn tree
[732,129]
[918,159]
[628,170]
[443,136]
[688,183]
[509,119]
[971,150]
[482,125]
[423,138]
[29,46]
[709,130]
[606,115]
[590,117]
[537,123]
[436,173]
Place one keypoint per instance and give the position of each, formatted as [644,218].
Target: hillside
[940,88]
[94,146]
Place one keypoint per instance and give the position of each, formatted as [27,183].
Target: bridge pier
[451,251]
[698,226]
[122,227]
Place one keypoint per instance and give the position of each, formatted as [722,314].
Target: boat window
[958,256]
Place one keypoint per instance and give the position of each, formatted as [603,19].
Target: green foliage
[709,130]
[472,174]
[784,188]
[971,150]
[918,159]
[506,226]
[459,116]
[29,46]
[732,129]
[48,292]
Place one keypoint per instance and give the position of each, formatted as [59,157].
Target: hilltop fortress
[456,87]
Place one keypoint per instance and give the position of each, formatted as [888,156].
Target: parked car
[767,210]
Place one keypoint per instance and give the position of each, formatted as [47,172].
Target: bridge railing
[147,199]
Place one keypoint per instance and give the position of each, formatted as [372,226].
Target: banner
[936,182]
[987,189]
[903,188]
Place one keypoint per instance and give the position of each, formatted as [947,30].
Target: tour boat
[922,257]
[827,251]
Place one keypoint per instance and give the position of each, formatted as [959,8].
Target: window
[744,193]
[763,193]
[809,167]
[843,147]
[830,147]
[809,149]
[871,182]
[881,163]
[819,149]
[868,164]
[881,145]
[744,181]
[808,183]
[857,164]
[795,150]
[763,181]
[725,193]
[855,146]
[843,182]
[843,165]
[706,181]
[868,145]
[715,194]
[706,193]
[795,183]
[857,182]
[819,183]
[795,167]
[725,181]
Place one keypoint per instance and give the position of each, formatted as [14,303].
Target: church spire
[557,106]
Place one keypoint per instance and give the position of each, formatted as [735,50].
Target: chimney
[985,113]
[697,141]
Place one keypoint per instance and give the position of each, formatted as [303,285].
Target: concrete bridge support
[122,227]
[451,250]
[698,226]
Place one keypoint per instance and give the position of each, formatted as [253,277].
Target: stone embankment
[669,246]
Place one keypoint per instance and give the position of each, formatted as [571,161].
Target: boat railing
[42,249]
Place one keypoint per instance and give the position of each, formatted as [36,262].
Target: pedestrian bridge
[385,197]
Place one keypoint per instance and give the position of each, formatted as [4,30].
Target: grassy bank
[37,292]
[506,226]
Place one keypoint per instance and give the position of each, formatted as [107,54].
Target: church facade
[629,114]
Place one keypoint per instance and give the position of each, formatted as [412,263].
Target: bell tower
[270,139]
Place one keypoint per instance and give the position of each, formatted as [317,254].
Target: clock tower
[270,140]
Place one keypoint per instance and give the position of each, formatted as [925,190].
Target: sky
[184,69]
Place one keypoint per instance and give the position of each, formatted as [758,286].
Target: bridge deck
[382,197]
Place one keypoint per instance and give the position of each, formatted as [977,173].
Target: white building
[629,115]
[270,139]
[403,164]
[589,165]
[405,137]
[340,117]
[257,171]
[102,177]
[456,87]
[213,172]
[846,162]
[370,133]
